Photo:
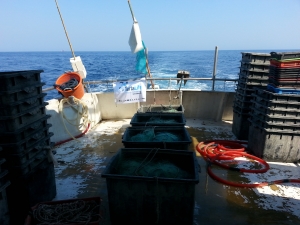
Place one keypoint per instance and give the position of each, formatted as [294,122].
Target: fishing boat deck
[80,163]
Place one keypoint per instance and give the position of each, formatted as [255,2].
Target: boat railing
[109,83]
[109,87]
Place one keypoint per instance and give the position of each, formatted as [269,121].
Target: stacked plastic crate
[284,72]
[254,71]
[25,142]
[274,132]
[4,183]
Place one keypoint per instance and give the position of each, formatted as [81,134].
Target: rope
[215,151]
[81,212]
[142,163]
[76,104]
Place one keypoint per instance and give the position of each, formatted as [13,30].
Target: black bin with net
[164,137]
[151,186]
[158,119]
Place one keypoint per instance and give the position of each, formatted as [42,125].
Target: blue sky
[104,25]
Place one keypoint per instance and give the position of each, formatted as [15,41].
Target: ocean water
[114,66]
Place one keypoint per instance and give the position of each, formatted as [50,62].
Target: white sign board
[130,91]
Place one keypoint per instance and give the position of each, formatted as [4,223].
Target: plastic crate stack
[25,142]
[254,73]
[284,73]
[274,132]
[4,183]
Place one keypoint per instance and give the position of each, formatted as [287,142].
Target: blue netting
[149,135]
[151,167]
[160,120]
[146,135]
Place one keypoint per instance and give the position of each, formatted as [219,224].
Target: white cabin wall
[228,106]
[110,110]
[101,106]
[211,105]
[163,97]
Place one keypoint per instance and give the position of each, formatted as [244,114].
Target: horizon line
[150,51]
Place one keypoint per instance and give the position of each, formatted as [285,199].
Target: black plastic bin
[17,107]
[34,130]
[18,121]
[31,143]
[2,161]
[4,211]
[273,144]
[157,188]
[284,55]
[274,71]
[158,119]
[3,177]
[37,186]
[21,93]
[252,57]
[240,124]
[15,79]
[164,137]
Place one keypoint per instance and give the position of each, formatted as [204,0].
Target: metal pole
[148,68]
[134,20]
[62,21]
[215,67]
[145,49]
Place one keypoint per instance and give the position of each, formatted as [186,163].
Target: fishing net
[166,137]
[168,109]
[146,135]
[151,167]
[150,135]
[161,120]
[162,109]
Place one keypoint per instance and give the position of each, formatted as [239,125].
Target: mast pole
[134,20]
[65,30]
[145,50]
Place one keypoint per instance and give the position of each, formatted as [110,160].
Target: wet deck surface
[80,163]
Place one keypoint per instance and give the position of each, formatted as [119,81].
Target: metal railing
[213,78]
[107,82]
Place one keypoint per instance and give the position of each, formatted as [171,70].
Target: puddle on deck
[81,163]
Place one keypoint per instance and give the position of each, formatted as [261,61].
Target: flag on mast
[137,46]
[141,60]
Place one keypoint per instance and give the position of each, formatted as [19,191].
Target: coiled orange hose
[216,151]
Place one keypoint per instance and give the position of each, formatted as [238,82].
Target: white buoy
[78,66]
[135,38]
